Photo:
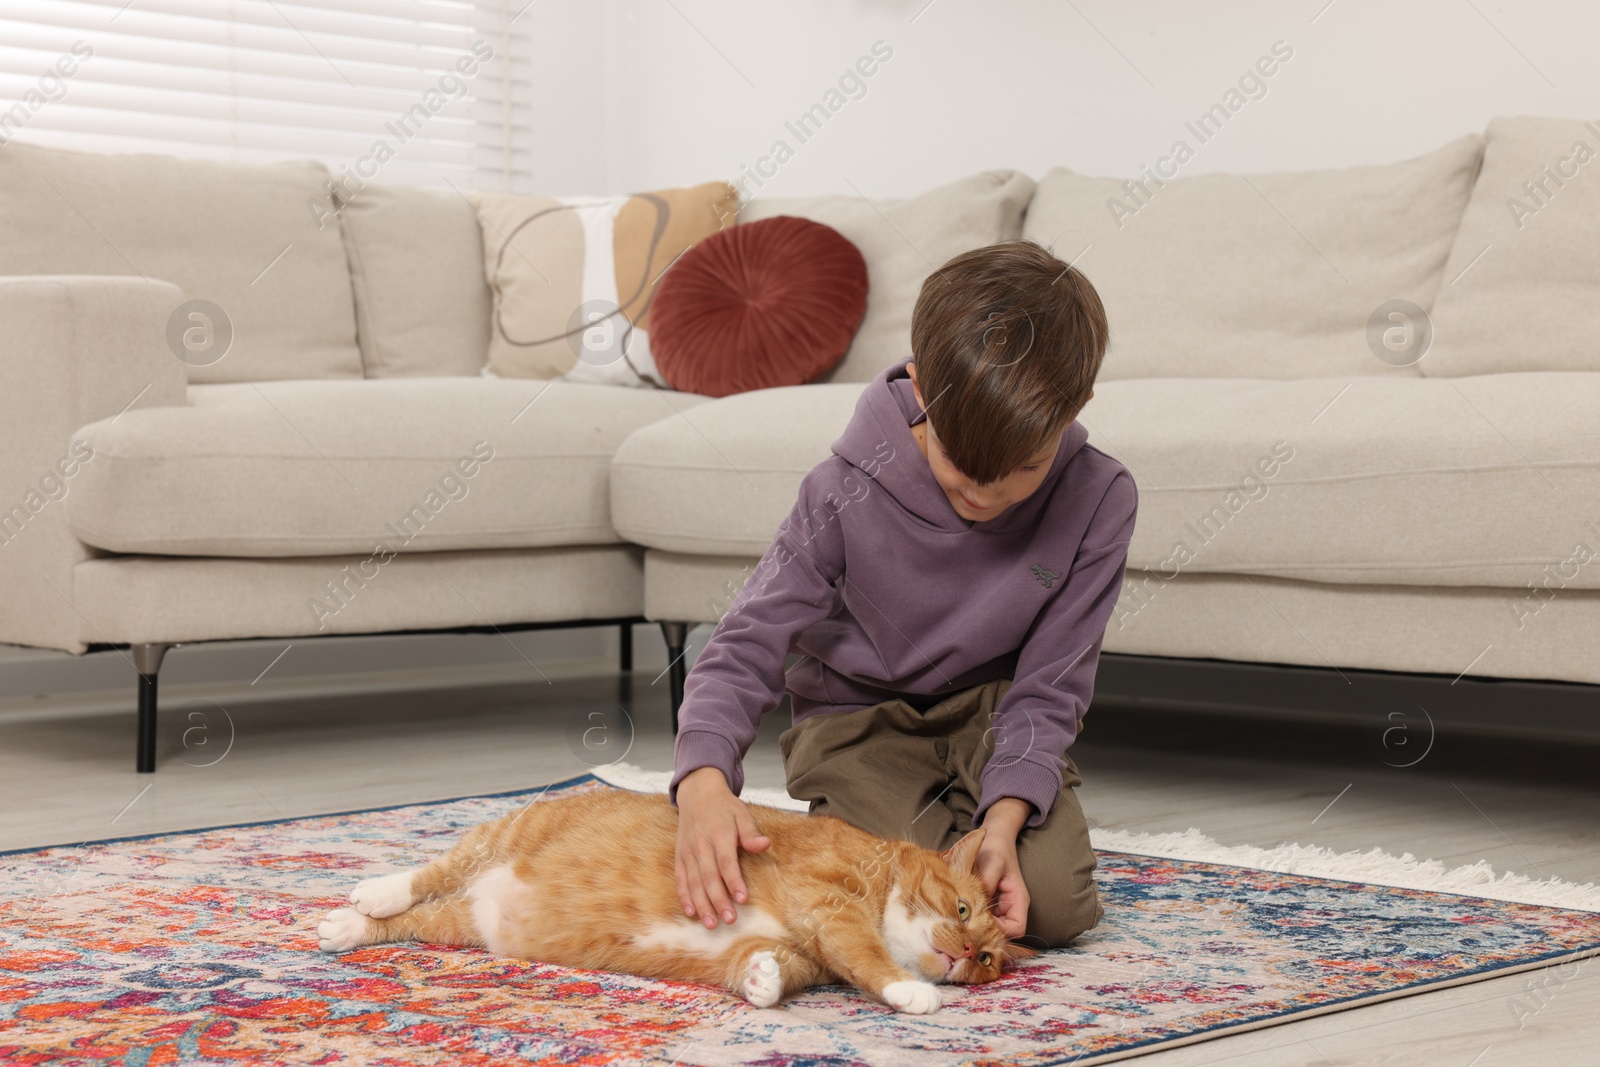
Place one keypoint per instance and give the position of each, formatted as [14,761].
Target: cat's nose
[968,946]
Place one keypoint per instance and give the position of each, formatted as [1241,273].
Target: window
[416,91]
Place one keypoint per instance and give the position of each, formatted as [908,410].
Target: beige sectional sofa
[1311,492]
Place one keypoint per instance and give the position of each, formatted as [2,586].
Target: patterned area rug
[199,948]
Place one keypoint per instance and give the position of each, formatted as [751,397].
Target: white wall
[688,90]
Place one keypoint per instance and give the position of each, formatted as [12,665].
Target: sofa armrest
[75,349]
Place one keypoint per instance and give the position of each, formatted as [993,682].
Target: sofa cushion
[1482,481]
[1522,287]
[1258,276]
[903,242]
[249,239]
[313,468]
[1487,480]
[416,265]
[719,480]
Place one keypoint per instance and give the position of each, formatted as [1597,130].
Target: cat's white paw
[763,981]
[385,896]
[915,998]
[342,930]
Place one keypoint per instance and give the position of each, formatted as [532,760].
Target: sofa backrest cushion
[1257,276]
[904,241]
[1522,287]
[245,238]
[416,265]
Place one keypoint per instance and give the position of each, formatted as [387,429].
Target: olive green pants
[914,775]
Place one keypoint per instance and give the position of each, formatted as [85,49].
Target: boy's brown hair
[1007,341]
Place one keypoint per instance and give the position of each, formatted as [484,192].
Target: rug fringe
[1375,866]
[628,776]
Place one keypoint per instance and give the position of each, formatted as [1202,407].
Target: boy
[947,576]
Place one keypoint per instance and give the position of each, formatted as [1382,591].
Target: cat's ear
[963,855]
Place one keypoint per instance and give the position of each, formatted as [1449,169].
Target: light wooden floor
[1530,807]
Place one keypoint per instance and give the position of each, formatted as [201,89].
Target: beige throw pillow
[1262,275]
[904,241]
[573,277]
[1520,290]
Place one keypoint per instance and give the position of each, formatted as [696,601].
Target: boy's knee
[1056,923]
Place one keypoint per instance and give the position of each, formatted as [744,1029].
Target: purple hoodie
[887,592]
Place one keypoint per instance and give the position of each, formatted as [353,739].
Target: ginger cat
[588,882]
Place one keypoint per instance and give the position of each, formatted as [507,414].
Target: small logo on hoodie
[1045,577]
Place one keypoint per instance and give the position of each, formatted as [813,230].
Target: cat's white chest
[907,938]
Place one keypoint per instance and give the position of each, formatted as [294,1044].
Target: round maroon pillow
[762,304]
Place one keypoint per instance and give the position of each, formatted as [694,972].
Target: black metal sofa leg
[147,661]
[625,666]
[676,634]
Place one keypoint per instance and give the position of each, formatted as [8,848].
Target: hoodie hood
[884,416]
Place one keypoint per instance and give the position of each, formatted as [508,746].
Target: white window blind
[422,92]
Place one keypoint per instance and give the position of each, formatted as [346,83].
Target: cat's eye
[984,959]
[962,911]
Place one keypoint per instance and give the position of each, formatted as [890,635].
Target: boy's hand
[713,825]
[997,863]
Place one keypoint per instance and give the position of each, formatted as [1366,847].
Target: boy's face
[972,501]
